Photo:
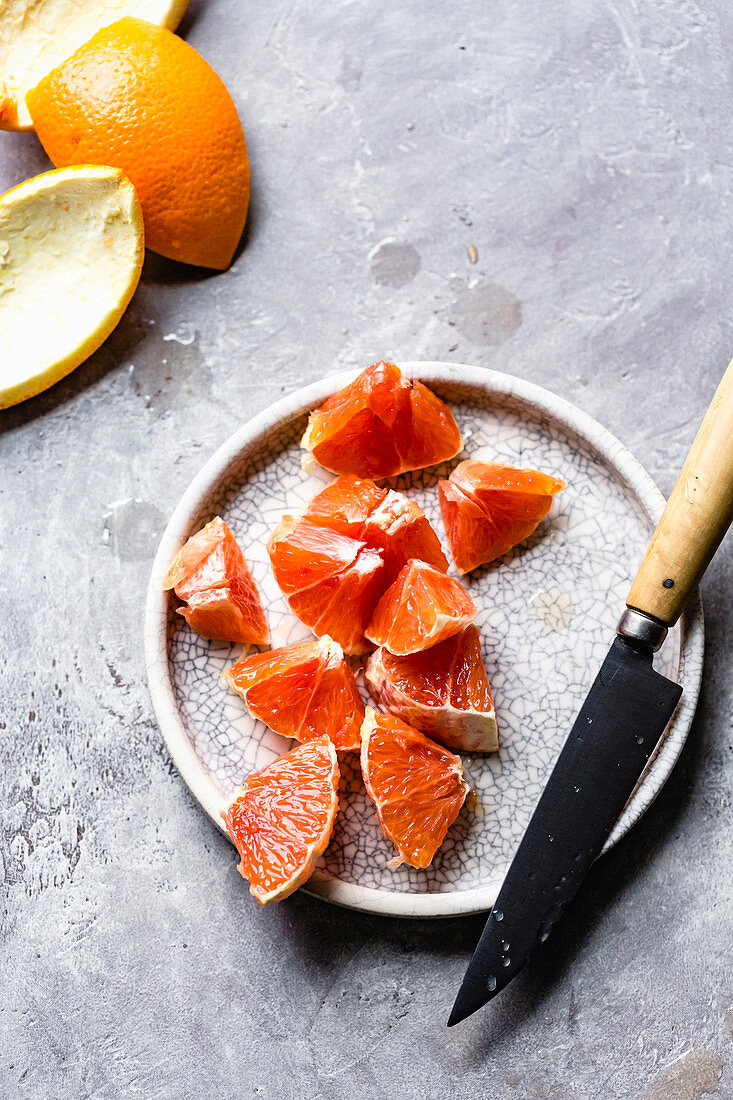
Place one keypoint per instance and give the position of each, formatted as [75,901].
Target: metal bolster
[641,630]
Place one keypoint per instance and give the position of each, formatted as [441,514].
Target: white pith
[461,730]
[71,250]
[37,35]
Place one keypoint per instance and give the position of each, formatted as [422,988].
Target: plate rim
[351,895]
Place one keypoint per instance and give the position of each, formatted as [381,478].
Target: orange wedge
[381,518]
[381,425]
[306,690]
[281,819]
[417,786]
[422,607]
[443,692]
[488,508]
[346,504]
[332,582]
[221,600]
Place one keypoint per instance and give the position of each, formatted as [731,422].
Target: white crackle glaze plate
[547,614]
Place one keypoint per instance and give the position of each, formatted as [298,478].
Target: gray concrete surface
[581,153]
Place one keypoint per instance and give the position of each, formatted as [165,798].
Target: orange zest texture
[139,98]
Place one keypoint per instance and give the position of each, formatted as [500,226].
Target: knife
[619,724]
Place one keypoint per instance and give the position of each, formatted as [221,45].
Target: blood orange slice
[305,690]
[281,819]
[303,554]
[381,425]
[342,606]
[422,607]
[417,786]
[383,519]
[400,527]
[443,692]
[210,574]
[488,508]
[346,504]
[332,582]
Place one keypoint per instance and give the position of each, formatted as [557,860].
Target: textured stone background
[581,153]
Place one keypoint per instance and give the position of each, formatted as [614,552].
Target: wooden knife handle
[698,514]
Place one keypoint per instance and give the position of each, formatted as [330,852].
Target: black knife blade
[620,723]
[618,727]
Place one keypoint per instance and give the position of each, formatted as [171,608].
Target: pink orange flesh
[281,819]
[210,574]
[383,519]
[442,691]
[380,425]
[422,607]
[416,786]
[488,508]
[305,690]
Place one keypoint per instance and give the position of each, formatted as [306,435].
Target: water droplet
[640,740]
[491,983]
[576,789]
[589,721]
[550,837]
[506,961]
[498,915]
[505,945]
[544,936]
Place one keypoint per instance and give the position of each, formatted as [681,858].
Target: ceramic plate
[547,615]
